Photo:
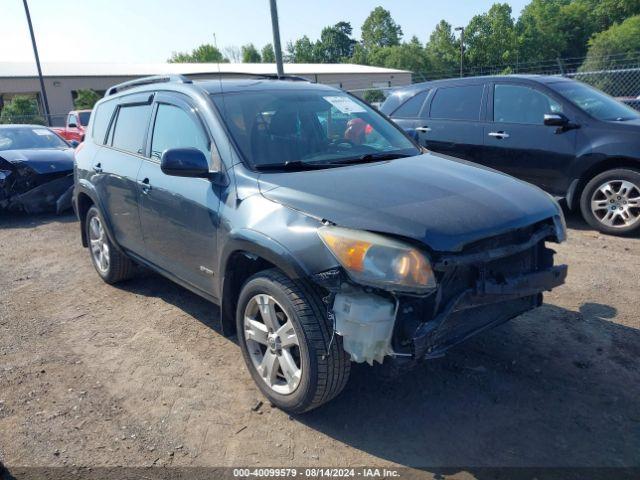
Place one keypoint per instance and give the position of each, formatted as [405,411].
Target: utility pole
[276,38]
[43,91]
[461,30]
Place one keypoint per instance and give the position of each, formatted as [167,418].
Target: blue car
[326,235]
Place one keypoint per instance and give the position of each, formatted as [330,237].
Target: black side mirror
[555,120]
[185,162]
[72,125]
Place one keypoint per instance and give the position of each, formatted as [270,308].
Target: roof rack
[147,81]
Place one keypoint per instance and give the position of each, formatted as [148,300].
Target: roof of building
[24,69]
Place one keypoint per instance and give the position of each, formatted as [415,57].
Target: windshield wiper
[291,165]
[370,157]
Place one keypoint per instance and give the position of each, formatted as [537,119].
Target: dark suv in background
[568,138]
[322,230]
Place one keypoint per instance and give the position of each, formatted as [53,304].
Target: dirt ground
[95,375]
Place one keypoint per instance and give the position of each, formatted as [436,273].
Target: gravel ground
[137,375]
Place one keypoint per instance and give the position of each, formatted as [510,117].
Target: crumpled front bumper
[487,305]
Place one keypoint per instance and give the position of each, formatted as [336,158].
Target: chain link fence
[617,75]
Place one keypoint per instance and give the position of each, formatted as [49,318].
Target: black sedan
[36,169]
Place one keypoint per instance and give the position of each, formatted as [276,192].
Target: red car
[75,125]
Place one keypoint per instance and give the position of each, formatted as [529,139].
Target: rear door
[179,215]
[517,141]
[453,122]
[116,167]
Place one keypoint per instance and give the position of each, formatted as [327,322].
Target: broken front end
[429,304]
[34,186]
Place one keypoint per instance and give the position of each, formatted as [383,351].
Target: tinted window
[596,103]
[411,108]
[520,104]
[457,103]
[130,126]
[103,113]
[314,126]
[84,118]
[175,128]
[24,138]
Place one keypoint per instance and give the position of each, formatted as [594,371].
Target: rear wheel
[287,342]
[112,265]
[610,202]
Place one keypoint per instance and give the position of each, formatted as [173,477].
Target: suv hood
[442,202]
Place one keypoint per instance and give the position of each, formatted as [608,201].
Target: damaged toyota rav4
[323,232]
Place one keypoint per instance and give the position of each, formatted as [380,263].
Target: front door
[517,141]
[179,215]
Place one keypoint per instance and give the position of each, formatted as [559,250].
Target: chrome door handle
[423,129]
[144,184]
[499,135]
[97,168]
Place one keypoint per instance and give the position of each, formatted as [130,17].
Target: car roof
[23,125]
[546,79]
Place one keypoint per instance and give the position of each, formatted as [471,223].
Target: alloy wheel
[616,203]
[99,245]
[272,344]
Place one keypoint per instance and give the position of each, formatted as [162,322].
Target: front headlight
[379,261]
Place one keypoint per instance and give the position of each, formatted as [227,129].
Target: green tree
[604,13]
[250,54]
[335,44]
[410,56]
[268,54]
[21,109]
[373,95]
[86,99]
[380,30]
[443,50]
[205,53]
[612,48]
[540,36]
[301,51]
[490,38]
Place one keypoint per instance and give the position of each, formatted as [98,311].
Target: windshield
[25,138]
[279,127]
[84,118]
[596,103]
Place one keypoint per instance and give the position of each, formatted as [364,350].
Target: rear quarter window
[102,116]
[457,103]
[411,108]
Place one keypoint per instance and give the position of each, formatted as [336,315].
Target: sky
[148,31]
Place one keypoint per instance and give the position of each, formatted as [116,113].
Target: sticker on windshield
[42,131]
[345,104]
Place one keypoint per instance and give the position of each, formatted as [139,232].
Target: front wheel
[287,342]
[610,202]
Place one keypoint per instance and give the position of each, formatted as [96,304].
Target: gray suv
[322,230]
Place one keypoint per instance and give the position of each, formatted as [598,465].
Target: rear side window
[131,124]
[411,108]
[457,103]
[102,117]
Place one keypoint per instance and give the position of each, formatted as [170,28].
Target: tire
[299,310]
[111,264]
[615,198]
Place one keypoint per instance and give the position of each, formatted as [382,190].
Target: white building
[63,80]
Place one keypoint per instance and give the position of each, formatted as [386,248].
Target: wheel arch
[246,253]
[85,198]
[577,186]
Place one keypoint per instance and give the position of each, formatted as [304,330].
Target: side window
[457,103]
[102,117]
[521,104]
[175,128]
[411,108]
[131,123]
[73,120]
